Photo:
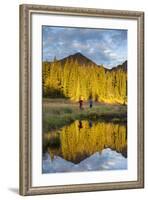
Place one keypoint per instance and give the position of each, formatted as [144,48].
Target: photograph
[84,99]
[81,99]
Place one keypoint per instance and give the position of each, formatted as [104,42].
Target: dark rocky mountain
[79,57]
[123,67]
[83,60]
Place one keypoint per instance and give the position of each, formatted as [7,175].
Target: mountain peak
[79,57]
[123,67]
[78,54]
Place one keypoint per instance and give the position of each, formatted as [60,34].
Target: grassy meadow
[60,112]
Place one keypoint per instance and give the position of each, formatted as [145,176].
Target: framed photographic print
[81,99]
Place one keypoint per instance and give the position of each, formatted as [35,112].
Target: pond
[85,146]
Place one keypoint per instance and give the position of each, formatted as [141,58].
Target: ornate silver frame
[25,99]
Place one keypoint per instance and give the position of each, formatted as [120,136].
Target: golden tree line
[84,141]
[75,81]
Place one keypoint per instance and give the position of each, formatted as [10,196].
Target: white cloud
[91,50]
[107,51]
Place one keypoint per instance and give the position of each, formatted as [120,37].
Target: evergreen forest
[74,78]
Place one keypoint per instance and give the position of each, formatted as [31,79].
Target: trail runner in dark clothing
[81,103]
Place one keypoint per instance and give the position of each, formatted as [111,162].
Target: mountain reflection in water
[84,146]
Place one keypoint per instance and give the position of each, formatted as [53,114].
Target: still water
[85,146]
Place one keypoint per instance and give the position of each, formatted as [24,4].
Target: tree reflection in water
[81,139]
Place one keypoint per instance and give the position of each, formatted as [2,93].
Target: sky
[103,46]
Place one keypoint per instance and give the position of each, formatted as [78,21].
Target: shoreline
[60,112]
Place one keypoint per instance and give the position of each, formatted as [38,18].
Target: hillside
[123,67]
[83,60]
[76,76]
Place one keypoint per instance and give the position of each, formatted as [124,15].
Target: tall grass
[57,113]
